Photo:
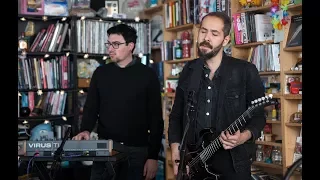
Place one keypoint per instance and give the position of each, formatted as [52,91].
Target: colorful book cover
[35,7]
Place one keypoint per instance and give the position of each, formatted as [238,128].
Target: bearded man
[219,88]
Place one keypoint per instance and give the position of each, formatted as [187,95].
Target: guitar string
[204,155]
[209,148]
[207,154]
[216,144]
[193,162]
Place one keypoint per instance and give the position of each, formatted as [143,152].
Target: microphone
[194,84]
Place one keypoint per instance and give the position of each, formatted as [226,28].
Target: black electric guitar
[209,143]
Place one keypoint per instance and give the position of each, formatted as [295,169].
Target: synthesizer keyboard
[70,148]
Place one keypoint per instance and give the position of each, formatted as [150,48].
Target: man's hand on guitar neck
[230,141]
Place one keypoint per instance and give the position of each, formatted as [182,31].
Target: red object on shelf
[186,44]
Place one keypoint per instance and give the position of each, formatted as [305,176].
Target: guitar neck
[216,144]
[241,121]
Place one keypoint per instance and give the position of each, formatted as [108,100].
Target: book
[295,32]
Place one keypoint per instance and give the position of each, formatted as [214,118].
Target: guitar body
[199,156]
[201,170]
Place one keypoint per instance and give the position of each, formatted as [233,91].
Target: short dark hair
[129,33]
[224,17]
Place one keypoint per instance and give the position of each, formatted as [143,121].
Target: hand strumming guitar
[230,141]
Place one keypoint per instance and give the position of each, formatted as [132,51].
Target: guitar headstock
[263,101]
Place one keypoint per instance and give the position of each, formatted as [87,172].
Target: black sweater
[127,104]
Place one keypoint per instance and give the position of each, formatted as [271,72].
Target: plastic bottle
[186,44]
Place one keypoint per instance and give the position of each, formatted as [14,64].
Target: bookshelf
[155,16]
[46,75]
[155,47]
[285,131]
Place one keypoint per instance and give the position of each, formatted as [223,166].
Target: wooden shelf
[292,96]
[153,9]
[263,164]
[269,73]
[253,44]
[258,9]
[179,60]
[293,72]
[295,7]
[293,49]
[294,124]
[273,122]
[45,54]
[266,143]
[180,28]
[40,17]
[264,9]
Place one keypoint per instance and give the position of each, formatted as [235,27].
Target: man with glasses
[124,97]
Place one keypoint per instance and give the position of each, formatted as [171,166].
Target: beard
[116,60]
[210,54]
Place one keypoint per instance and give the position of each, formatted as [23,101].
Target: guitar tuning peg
[270,95]
[252,102]
[263,98]
[255,101]
[259,99]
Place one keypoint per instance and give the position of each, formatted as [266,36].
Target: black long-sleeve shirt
[207,108]
[127,104]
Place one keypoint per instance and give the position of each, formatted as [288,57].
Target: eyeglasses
[115,45]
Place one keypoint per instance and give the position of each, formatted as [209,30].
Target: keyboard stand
[42,170]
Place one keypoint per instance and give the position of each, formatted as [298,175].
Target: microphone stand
[57,158]
[182,168]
